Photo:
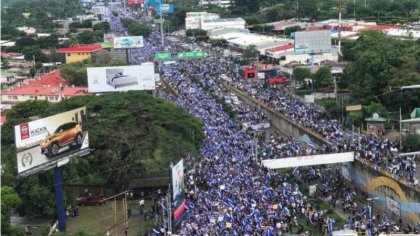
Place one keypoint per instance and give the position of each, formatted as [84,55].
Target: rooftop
[281,48]
[47,85]
[82,48]
[223,20]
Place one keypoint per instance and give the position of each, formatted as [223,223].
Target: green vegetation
[323,77]
[41,17]
[380,66]
[300,73]
[412,143]
[199,34]
[133,136]
[76,73]
[135,28]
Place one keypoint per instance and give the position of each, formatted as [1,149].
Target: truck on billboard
[44,142]
[128,42]
[121,78]
[178,198]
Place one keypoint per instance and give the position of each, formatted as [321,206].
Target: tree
[374,107]
[33,52]
[48,42]
[9,200]
[250,54]
[300,73]
[412,143]
[139,30]
[25,42]
[27,109]
[104,26]
[289,30]
[323,77]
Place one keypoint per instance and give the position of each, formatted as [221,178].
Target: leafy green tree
[33,52]
[374,107]
[300,73]
[139,30]
[250,54]
[104,26]
[48,42]
[25,42]
[412,143]
[289,30]
[323,77]
[356,118]
[9,200]
[27,109]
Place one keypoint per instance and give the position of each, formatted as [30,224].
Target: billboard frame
[138,42]
[306,44]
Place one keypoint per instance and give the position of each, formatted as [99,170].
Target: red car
[91,201]
[279,79]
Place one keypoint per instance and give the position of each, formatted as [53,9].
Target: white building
[220,3]
[255,39]
[231,23]
[226,33]
[100,10]
[193,19]
[404,33]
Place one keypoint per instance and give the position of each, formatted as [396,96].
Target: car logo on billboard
[27,159]
[24,131]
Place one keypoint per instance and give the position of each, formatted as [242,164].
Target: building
[220,3]
[231,23]
[27,30]
[50,87]
[258,40]
[193,19]
[80,52]
[227,33]
[403,33]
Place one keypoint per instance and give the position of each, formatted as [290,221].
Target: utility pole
[354,9]
[297,10]
[161,23]
[339,28]
[115,216]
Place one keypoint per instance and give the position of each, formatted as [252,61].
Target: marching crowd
[232,193]
[380,152]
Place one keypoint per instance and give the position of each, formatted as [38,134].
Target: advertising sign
[121,78]
[44,142]
[191,55]
[163,56]
[177,176]
[312,41]
[153,2]
[309,160]
[165,8]
[393,206]
[128,42]
[133,2]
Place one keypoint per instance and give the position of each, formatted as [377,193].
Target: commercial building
[51,87]
[193,19]
[220,3]
[227,33]
[259,41]
[231,23]
[79,52]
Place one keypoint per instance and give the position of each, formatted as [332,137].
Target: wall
[77,56]
[21,98]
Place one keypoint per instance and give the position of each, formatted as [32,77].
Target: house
[80,52]
[50,87]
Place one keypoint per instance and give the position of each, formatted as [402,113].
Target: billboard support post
[127,58]
[161,25]
[59,200]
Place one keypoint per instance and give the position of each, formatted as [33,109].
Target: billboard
[153,2]
[312,41]
[178,199]
[165,8]
[45,142]
[191,55]
[133,2]
[128,42]
[121,78]
[310,160]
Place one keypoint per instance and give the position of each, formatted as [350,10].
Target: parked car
[91,201]
[68,134]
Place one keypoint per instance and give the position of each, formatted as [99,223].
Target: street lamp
[371,200]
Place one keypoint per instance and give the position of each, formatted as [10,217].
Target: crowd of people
[380,152]
[232,193]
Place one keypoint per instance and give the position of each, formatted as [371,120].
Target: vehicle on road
[91,201]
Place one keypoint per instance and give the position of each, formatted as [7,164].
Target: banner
[309,160]
[48,140]
[163,56]
[128,42]
[153,2]
[178,201]
[165,8]
[121,78]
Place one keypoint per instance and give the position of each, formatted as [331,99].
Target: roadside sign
[191,55]
[163,56]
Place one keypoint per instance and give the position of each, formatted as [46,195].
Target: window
[15,97]
[31,97]
[68,54]
[10,97]
[56,98]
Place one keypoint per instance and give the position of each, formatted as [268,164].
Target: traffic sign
[163,56]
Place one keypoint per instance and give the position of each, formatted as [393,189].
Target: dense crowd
[231,192]
[380,152]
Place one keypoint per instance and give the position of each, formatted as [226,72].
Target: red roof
[281,48]
[47,85]
[81,48]
[381,27]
